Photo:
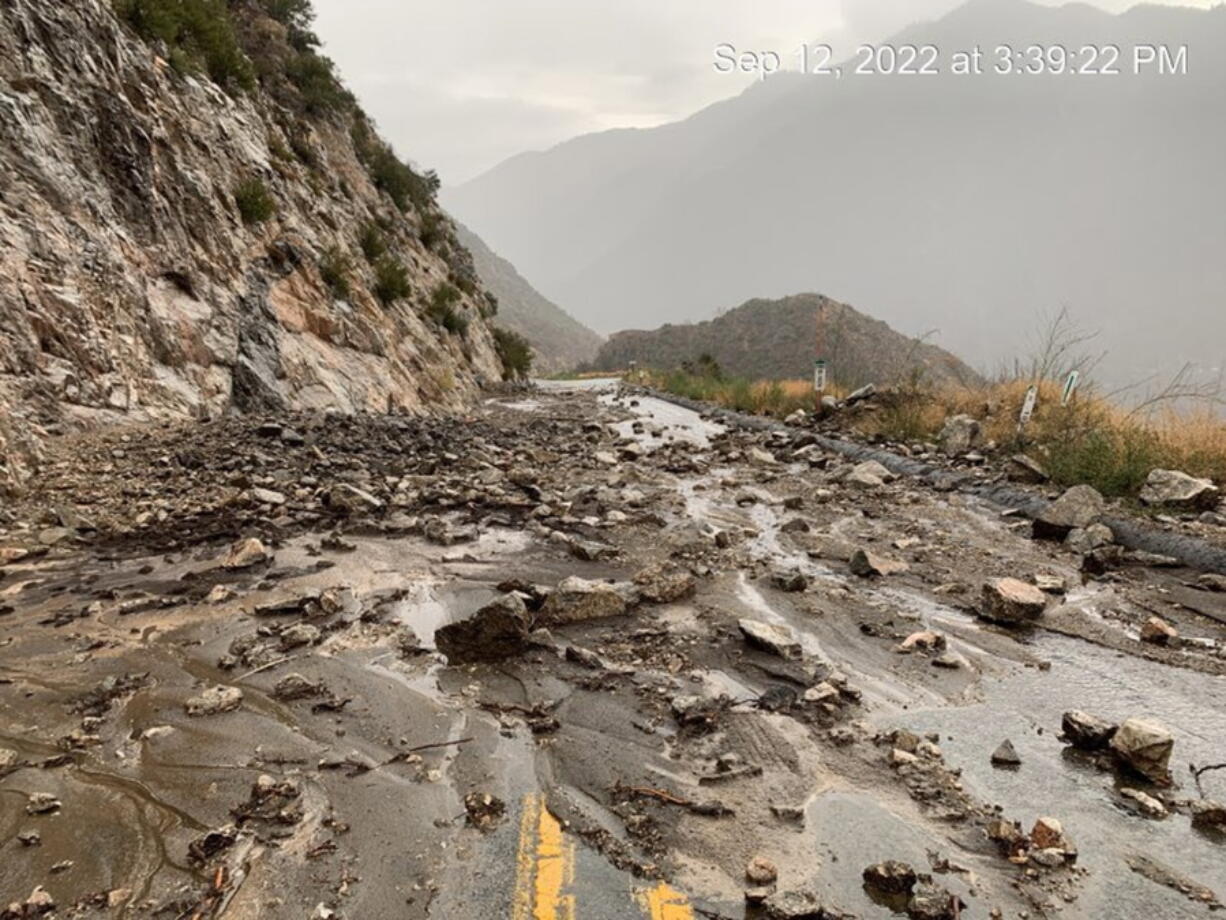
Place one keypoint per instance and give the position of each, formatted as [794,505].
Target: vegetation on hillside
[1094,439]
[515,352]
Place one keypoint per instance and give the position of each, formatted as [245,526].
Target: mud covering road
[582,654]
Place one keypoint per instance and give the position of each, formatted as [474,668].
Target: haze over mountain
[966,204]
[559,341]
[764,339]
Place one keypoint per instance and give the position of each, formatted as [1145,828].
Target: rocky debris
[295,687]
[960,434]
[246,554]
[1078,507]
[1158,631]
[1145,803]
[1008,837]
[484,811]
[202,849]
[932,902]
[925,641]
[498,630]
[1208,815]
[664,584]
[1006,755]
[1173,489]
[770,637]
[214,701]
[868,475]
[37,904]
[789,579]
[761,871]
[866,564]
[797,905]
[890,878]
[299,635]
[1086,732]
[576,599]
[8,760]
[1145,746]
[272,802]
[350,500]
[1085,540]
[1026,469]
[42,803]
[1009,600]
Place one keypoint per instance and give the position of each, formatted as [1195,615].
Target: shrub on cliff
[199,33]
[255,201]
[514,351]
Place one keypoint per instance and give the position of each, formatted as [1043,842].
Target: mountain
[196,218]
[776,339]
[961,203]
[559,341]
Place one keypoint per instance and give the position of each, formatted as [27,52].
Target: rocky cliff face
[171,249]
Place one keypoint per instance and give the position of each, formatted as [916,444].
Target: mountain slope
[559,341]
[965,204]
[775,339]
[211,225]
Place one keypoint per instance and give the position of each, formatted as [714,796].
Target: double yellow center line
[545,874]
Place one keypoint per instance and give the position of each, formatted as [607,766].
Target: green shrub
[199,33]
[404,186]
[255,201]
[442,311]
[334,269]
[317,82]
[373,243]
[514,351]
[433,229]
[391,280]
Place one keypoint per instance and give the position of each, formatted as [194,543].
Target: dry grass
[1092,440]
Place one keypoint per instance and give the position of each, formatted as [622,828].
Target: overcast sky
[460,85]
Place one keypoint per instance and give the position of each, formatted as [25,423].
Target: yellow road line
[663,902]
[545,866]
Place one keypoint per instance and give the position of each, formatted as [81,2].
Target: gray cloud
[461,85]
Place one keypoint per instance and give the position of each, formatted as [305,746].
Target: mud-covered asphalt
[629,765]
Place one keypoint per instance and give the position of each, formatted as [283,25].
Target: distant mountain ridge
[777,339]
[968,204]
[559,341]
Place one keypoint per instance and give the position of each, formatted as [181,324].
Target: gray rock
[1209,814]
[1080,506]
[300,634]
[866,564]
[662,584]
[1026,469]
[1006,755]
[1173,489]
[1085,540]
[1145,746]
[1008,600]
[577,599]
[496,631]
[214,700]
[295,687]
[347,499]
[868,475]
[1086,732]
[890,877]
[42,803]
[932,902]
[791,580]
[769,637]
[246,554]
[960,434]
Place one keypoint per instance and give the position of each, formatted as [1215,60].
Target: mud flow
[584,654]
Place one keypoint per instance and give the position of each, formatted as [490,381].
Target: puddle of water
[1026,707]
[676,422]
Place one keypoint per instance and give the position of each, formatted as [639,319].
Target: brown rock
[1157,631]
[1008,600]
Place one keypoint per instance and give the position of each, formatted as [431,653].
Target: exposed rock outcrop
[168,248]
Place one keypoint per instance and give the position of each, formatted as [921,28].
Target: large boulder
[960,434]
[1179,490]
[577,599]
[1145,746]
[1008,600]
[498,630]
[1086,732]
[1079,507]
[868,475]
